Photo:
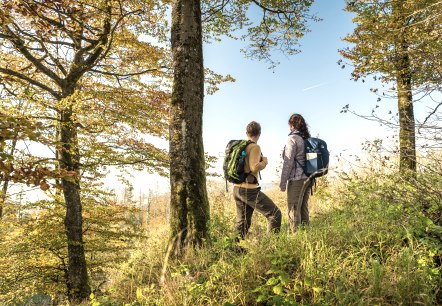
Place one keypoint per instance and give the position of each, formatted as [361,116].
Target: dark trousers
[247,200]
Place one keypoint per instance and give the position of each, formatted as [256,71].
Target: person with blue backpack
[293,176]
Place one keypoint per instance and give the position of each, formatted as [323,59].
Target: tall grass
[370,242]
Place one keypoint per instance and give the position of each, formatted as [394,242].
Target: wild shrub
[367,243]
[33,246]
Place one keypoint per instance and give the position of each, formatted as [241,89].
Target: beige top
[254,164]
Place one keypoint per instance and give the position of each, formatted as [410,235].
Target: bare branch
[432,113]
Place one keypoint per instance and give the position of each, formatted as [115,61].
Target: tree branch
[53,58]
[20,46]
[128,74]
[432,113]
[79,65]
[23,77]
[213,11]
[270,9]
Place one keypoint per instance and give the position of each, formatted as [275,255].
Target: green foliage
[373,239]
[369,243]
[34,251]
[376,41]
[267,26]
[115,72]
[399,43]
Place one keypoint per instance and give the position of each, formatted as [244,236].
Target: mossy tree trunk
[69,162]
[189,202]
[407,137]
[407,141]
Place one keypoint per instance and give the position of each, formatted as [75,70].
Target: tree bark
[5,182]
[3,196]
[407,137]
[407,141]
[189,202]
[78,287]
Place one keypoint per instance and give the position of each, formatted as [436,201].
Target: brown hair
[298,123]
[253,129]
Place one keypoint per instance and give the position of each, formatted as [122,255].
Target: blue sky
[310,83]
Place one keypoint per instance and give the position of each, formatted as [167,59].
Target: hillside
[369,243]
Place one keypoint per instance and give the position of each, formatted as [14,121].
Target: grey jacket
[292,170]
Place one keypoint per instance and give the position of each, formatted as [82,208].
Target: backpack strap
[311,188]
[303,168]
[255,180]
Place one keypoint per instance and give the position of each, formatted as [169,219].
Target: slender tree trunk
[2,201]
[5,185]
[3,196]
[78,287]
[407,141]
[189,203]
[407,137]
[11,153]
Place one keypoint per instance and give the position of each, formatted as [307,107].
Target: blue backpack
[316,157]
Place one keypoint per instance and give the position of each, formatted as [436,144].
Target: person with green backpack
[246,191]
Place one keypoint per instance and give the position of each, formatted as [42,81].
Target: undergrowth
[371,241]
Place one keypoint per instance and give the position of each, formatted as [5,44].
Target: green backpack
[235,160]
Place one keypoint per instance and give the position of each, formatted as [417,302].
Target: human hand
[265,160]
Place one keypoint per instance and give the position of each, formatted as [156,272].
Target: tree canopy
[89,74]
[398,42]
[101,49]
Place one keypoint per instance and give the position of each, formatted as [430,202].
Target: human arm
[288,160]
[256,163]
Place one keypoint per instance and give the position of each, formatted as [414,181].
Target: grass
[373,239]
[366,245]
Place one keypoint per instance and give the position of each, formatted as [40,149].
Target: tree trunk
[3,196]
[3,193]
[5,186]
[78,287]
[189,203]
[407,140]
